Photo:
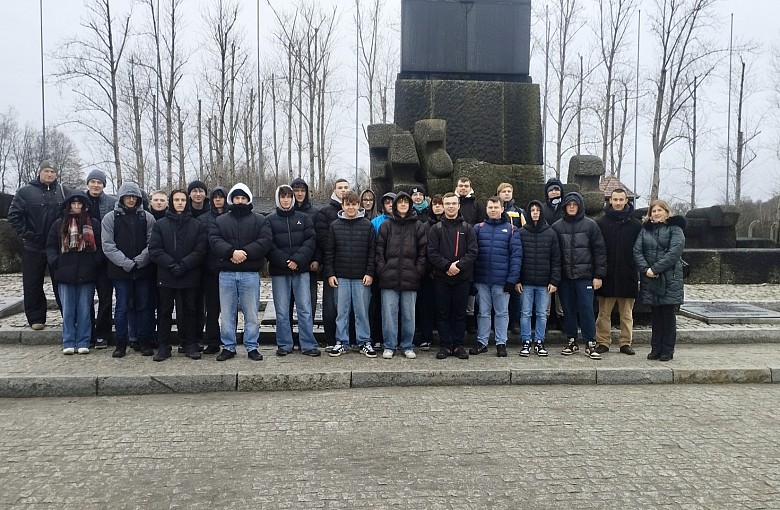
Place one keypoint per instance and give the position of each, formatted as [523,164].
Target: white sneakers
[388,354]
[410,354]
[68,351]
[83,350]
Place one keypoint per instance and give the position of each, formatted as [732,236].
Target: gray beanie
[98,175]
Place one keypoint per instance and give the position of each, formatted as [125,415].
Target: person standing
[400,265]
[126,234]
[288,260]
[240,240]
[198,203]
[33,210]
[553,206]
[426,296]
[472,213]
[419,204]
[496,274]
[74,254]
[158,204]
[584,264]
[619,229]
[100,204]
[177,247]
[516,215]
[658,255]
[452,250]
[303,204]
[375,307]
[210,273]
[368,204]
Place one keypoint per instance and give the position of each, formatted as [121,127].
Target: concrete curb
[143,384]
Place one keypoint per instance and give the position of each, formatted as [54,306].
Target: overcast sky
[20,82]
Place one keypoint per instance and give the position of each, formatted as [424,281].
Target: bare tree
[91,63]
[745,154]
[9,131]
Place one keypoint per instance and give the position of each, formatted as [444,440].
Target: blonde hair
[502,186]
[663,204]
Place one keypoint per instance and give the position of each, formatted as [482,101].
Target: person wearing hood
[349,269]
[210,277]
[658,256]
[540,275]
[496,274]
[386,206]
[325,217]
[74,254]
[619,229]
[197,192]
[553,205]
[400,266]
[420,205]
[368,204]
[33,210]
[158,204]
[178,246]
[303,204]
[426,296]
[240,241]
[292,250]
[126,235]
[100,204]
[452,251]
[583,267]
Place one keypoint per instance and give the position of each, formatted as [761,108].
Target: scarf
[76,240]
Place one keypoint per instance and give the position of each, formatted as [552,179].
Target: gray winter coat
[659,246]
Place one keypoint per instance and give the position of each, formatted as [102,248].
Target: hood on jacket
[129,189]
[399,196]
[306,201]
[170,208]
[240,186]
[218,189]
[573,196]
[361,213]
[373,210]
[71,197]
[553,181]
[278,191]
[528,221]
[381,204]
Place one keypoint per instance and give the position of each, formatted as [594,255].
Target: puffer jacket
[583,254]
[619,229]
[499,254]
[240,229]
[471,210]
[305,206]
[350,252]
[450,241]
[400,250]
[34,209]
[541,252]
[659,246]
[209,223]
[74,267]
[178,239]
[325,217]
[293,239]
[126,234]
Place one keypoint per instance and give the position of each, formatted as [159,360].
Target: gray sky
[20,86]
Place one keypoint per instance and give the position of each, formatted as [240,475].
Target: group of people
[407,264]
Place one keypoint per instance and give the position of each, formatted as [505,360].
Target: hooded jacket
[74,267]
[293,239]
[499,254]
[619,229]
[369,214]
[178,246]
[33,211]
[452,240]
[350,252]
[240,229]
[381,217]
[659,246]
[471,211]
[126,234]
[583,254]
[553,208]
[401,250]
[209,222]
[305,206]
[541,252]
[325,217]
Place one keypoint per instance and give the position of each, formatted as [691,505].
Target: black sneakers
[478,349]
[163,353]
[539,349]
[525,350]
[501,350]
[591,351]
[119,352]
[443,353]
[460,352]
[571,347]
[254,355]
[225,355]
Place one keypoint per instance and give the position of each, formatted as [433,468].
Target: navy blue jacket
[499,254]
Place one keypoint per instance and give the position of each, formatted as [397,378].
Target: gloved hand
[175,269]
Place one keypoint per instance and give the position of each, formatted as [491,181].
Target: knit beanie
[98,175]
[197,184]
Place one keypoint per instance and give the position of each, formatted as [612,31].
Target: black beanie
[417,188]
[197,184]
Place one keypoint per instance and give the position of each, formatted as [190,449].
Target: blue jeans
[392,302]
[134,295]
[577,300]
[351,294]
[76,302]
[534,296]
[283,288]
[492,298]
[239,289]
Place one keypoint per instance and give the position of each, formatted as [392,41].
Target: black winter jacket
[325,217]
[74,267]
[350,251]
[293,239]
[619,229]
[583,254]
[450,241]
[401,250]
[241,229]
[178,240]
[471,211]
[209,224]
[541,251]
[659,246]
[126,235]
[34,209]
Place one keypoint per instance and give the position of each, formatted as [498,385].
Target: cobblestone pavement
[689,447]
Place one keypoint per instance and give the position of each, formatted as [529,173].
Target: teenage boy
[177,246]
[540,274]
[126,234]
[620,229]
[472,213]
[452,250]
[426,296]
[386,208]
[505,192]
[584,264]
[420,205]
[210,274]
[552,210]
[400,265]
[349,268]
[199,204]
[288,261]
[158,204]
[240,240]
[496,273]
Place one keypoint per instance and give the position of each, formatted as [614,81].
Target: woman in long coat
[658,256]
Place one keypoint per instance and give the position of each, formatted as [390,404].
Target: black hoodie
[553,208]
[541,252]
[583,254]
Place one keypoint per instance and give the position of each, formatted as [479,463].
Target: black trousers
[664,327]
[184,300]
[101,323]
[211,301]
[33,273]
[451,301]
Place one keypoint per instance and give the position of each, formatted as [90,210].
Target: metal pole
[636,103]
[728,127]
[357,89]
[43,90]
[259,113]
